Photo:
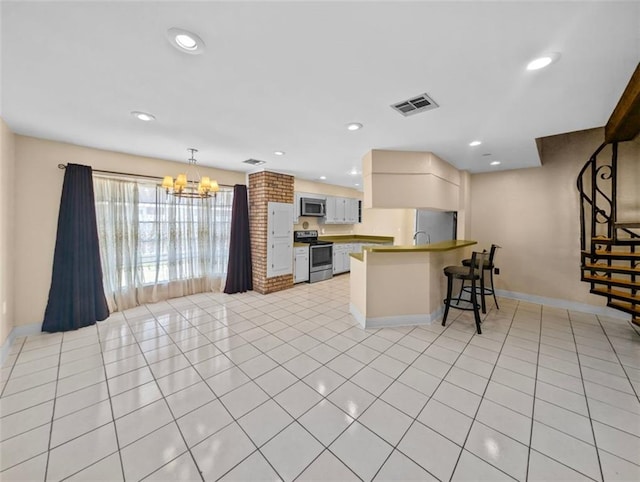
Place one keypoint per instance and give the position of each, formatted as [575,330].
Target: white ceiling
[290,75]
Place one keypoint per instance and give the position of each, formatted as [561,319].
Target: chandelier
[183,186]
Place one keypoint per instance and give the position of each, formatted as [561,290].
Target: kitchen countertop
[403,285]
[300,245]
[433,247]
[356,238]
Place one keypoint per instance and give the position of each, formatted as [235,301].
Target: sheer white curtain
[154,247]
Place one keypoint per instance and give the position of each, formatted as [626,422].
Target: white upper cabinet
[341,210]
[279,239]
[352,208]
[335,210]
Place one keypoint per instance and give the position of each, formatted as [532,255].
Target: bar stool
[488,265]
[466,273]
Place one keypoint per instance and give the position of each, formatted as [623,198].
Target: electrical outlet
[496,270]
[4,307]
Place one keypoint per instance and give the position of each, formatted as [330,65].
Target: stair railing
[597,184]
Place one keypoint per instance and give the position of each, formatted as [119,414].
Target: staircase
[610,250]
[610,262]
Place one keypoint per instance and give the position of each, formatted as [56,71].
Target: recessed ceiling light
[322,178]
[353,172]
[475,143]
[495,163]
[356,184]
[354,126]
[279,153]
[543,61]
[143,116]
[185,41]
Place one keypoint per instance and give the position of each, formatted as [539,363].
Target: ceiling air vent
[254,162]
[415,105]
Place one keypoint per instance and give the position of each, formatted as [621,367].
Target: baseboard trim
[395,321]
[564,304]
[357,315]
[17,332]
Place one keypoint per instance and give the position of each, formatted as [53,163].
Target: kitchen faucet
[415,237]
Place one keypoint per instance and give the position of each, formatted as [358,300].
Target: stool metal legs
[467,273]
[485,291]
[493,290]
[448,300]
[474,302]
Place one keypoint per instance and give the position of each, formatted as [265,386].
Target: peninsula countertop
[402,285]
[433,247]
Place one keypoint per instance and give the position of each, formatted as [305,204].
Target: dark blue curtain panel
[239,270]
[76,296]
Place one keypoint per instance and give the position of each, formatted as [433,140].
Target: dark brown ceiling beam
[624,123]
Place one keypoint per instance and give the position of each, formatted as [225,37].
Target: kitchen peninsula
[402,285]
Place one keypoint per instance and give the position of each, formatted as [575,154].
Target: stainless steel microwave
[312,207]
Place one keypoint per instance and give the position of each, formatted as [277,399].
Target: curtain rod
[64,166]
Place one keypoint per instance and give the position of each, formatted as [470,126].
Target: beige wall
[400,288]
[36,211]
[7,261]
[398,223]
[464,207]
[534,215]
[301,185]
[407,179]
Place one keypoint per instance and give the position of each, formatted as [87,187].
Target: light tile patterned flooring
[287,386]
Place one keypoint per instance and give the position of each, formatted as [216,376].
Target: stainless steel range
[320,255]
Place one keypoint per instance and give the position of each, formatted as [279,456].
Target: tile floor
[287,386]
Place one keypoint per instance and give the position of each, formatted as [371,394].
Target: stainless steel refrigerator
[434,226]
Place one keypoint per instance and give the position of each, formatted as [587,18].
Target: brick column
[265,187]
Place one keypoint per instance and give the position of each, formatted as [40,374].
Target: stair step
[626,225]
[623,283]
[617,294]
[611,269]
[626,307]
[624,241]
[610,255]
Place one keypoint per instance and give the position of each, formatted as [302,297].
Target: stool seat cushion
[460,272]
[487,264]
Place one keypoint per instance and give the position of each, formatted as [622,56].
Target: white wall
[36,208]
[7,200]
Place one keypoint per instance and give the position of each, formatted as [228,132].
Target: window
[155,246]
